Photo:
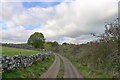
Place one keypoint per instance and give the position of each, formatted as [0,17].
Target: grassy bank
[15,51]
[61,70]
[85,71]
[31,72]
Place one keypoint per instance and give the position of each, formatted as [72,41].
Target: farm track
[53,70]
[69,72]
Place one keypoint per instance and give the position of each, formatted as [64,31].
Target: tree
[37,40]
[53,46]
[112,32]
[48,46]
[65,43]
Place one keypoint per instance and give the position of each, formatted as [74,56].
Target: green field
[10,51]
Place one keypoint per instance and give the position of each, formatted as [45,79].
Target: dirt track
[69,69]
[53,70]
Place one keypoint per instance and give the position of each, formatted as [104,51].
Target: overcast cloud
[65,22]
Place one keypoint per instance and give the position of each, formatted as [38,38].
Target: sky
[70,22]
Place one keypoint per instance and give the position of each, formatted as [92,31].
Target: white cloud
[18,34]
[78,40]
[72,20]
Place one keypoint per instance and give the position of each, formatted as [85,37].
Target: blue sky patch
[32,28]
[3,28]
[3,25]
[40,4]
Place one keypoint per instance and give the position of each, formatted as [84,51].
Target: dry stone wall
[19,61]
[21,46]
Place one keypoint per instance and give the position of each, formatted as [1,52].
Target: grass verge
[34,71]
[85,71]
[61,70]
[10,51]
